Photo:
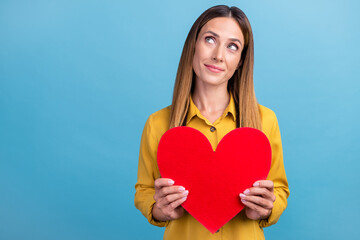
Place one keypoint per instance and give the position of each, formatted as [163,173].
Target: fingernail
[186,192]
[256,184]
[171,182]
[243,200]
[242,195]
[247,191]
[184,198]
[181,189]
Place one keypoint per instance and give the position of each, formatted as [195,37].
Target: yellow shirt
[187,227]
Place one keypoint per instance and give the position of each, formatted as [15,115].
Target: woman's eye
[233,47]
[209,39]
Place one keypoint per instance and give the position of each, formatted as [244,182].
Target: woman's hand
[259,200]
[168,200]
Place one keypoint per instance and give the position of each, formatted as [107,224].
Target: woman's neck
[211,101]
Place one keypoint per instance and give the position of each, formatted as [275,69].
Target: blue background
[78,80]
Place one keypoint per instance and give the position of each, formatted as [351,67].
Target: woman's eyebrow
[217,35]
[235,40]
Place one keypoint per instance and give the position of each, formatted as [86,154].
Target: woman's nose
[218,54]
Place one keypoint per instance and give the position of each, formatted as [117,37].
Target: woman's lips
[214,68]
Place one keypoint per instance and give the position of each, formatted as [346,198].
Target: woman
[214,94]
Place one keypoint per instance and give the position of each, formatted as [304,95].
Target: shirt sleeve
[147,173]
[278,176]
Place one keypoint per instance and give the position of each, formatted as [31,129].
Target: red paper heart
[214,178]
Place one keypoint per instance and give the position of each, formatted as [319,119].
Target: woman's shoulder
[158,122]
[266,113]
[268,118]
[161,116]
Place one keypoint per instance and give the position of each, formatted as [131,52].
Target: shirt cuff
[275,214]
[150,216]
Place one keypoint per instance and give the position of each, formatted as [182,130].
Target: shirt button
[212,129]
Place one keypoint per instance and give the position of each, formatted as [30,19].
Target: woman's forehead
[225,27]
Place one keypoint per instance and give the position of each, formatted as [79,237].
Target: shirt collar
[194,111]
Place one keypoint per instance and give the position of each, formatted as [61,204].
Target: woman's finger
[164,186]
[259,201]
[163,182]
[173,205]
[262,212]
[258,191]
[265,184]
[171,198]
[170,190]
[164,191]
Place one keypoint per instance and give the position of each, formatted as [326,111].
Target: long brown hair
[240,85]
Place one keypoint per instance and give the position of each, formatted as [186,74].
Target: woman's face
[218,51]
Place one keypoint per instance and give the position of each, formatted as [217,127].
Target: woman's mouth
[214,68]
